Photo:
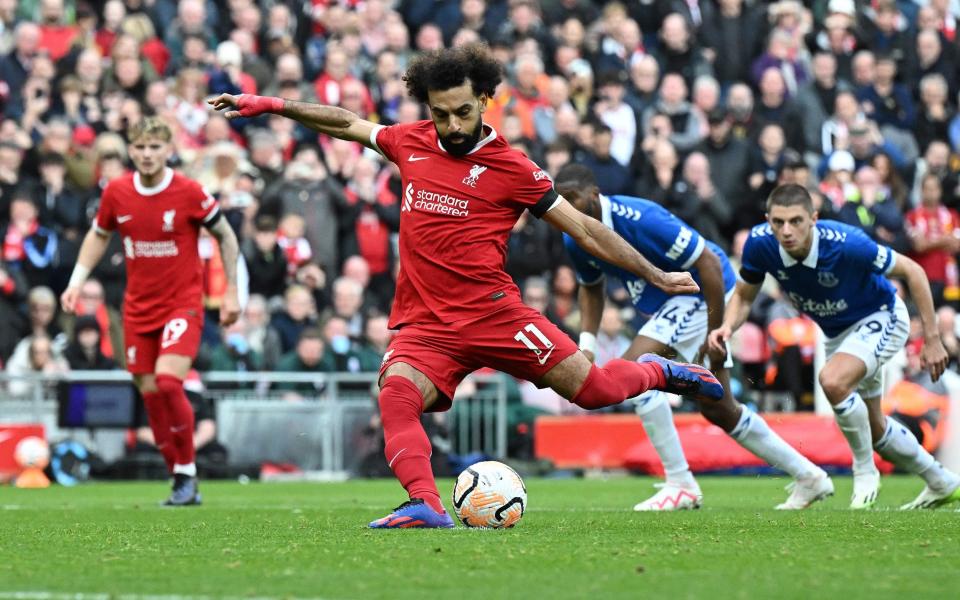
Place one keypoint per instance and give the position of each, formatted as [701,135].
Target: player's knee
[835,385]
[168,384]
[400,399]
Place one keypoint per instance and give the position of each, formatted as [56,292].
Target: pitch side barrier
[324,424]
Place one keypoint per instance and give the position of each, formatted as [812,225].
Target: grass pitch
[579,539]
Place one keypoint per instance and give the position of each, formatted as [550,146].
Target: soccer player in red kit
[455,307]
[159,213]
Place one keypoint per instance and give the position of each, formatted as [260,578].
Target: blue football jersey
[658,235]
[839,282]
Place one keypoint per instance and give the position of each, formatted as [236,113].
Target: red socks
[616,381]
[159,424]
[179,417]
[249,105]
[407,447]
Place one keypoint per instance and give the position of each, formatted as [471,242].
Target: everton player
[455,307]
[159,213]
[837,275]
[676,327]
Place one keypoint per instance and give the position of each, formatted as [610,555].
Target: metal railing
[316,425]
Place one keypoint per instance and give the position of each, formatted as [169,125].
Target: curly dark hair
[449,68]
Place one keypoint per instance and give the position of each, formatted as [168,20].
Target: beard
[460,144]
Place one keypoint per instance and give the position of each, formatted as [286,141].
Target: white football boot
[866,488]
[672,497]
[934,497]
[804,491]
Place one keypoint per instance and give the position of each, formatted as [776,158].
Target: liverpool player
[455,307]
[159,214]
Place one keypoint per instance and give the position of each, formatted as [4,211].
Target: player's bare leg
[839,379]
[897,444]
[170,413]
[405,393]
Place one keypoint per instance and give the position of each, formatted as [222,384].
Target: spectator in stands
[92,303]
[299,313]
[661,183]
[611,340]
[84,352]
[619,116]
[888,33]
[266,260]
[191,21]
[347,303]
[13,290]
[714,211]
[817,98]
[765,166]
[934,232]
[307,190]
[729,160]
[783,55]
[264,340]
[309,356]
[645,78]
[869,207]
[236,353]
[377,335]
[740,104]
[678,52]
[40,357]
[935,114]
[930,58]
[890,179]
[775,107]
[732,33]
[685,125]
[886,101]
[15,66]
[536,295]
[344,352]
[864,67]
[532,249]
[614,178]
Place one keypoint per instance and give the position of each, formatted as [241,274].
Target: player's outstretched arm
[737,311]
[602,242]
[591,300]
[229,252]
[933,356]
[91,251]
[331,120]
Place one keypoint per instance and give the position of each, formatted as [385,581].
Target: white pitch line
[42,595]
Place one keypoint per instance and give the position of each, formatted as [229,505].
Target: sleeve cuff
[549,200]
[752,277]
[697,251]
[373,140]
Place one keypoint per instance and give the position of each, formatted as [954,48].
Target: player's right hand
[718,338]
[68,299]
[247,105]
[678,284]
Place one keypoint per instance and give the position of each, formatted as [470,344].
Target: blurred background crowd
[701,105]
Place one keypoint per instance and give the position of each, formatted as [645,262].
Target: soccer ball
[489,495]
[32,452]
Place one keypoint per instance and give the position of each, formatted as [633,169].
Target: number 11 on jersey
[526,341]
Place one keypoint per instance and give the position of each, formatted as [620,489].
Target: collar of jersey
[153,191]
[606,216]
[812,256]
[490,137]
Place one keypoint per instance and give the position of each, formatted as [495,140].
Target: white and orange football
[489,495]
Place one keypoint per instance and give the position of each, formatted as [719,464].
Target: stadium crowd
[701,106]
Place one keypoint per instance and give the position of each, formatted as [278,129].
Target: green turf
[579,539]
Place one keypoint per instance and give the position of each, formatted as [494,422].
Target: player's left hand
[229,308]
[934,358]
[677,283]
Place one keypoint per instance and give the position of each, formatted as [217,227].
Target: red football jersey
[160,227]
[455,217]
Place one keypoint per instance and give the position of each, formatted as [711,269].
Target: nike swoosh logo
[414,158]
[124,218]
[546,356]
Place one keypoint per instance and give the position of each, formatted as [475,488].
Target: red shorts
[180,335]
[516,340]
